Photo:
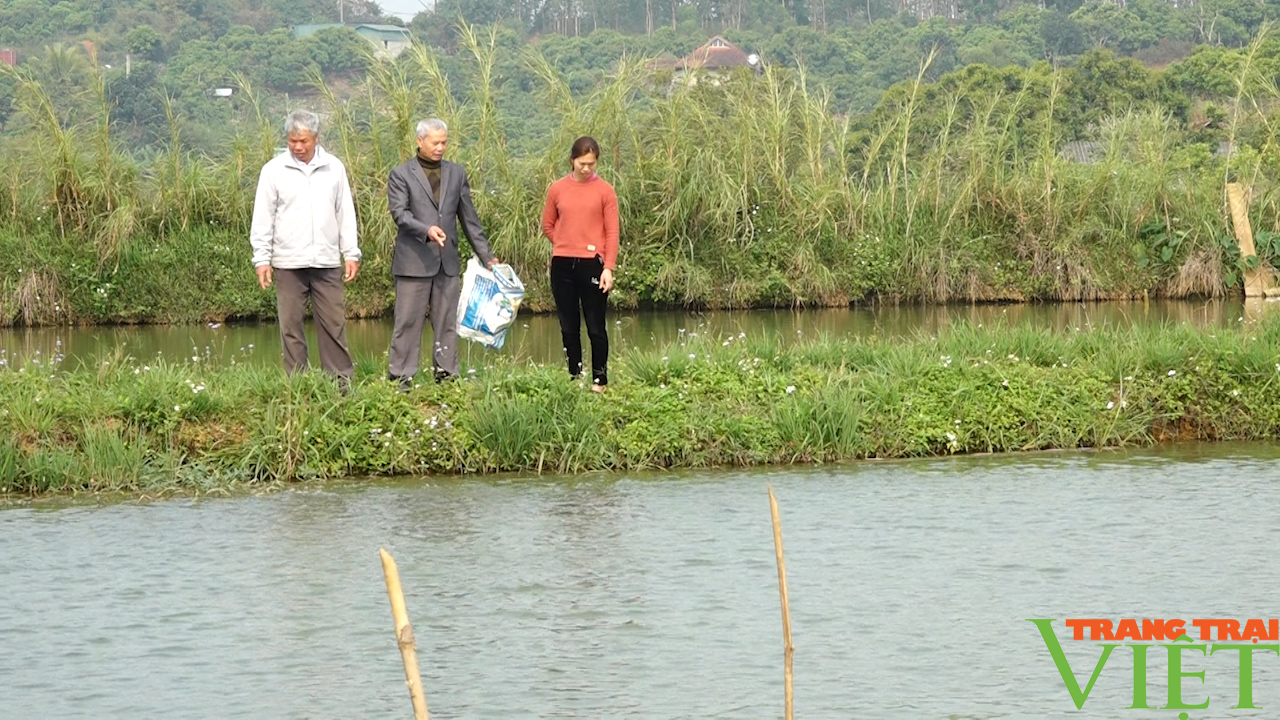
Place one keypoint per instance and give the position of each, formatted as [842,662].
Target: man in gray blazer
[428,195]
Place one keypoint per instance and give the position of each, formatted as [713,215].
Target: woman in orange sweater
[581,219]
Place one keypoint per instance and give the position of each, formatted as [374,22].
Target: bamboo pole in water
[404,636]
[788,650]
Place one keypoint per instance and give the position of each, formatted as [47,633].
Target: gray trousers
[417,299]
[328,304]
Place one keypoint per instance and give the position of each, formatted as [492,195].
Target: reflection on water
[537,338]
[646,595]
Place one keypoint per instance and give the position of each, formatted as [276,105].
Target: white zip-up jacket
[303,215]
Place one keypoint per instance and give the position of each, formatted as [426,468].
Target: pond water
[536,338]
[649,595]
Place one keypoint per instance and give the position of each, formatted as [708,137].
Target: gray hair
[300,120]
[431,125]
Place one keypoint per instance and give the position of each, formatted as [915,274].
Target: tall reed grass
[735,190]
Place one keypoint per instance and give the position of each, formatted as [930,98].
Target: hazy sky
[404,9]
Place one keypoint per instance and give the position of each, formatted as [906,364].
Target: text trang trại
[1242,637]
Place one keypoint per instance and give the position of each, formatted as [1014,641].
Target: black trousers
[575,284]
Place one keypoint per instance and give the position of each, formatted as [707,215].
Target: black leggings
[575,283]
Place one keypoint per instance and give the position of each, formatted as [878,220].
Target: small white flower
[177,408]
[1172,373]
[1110,405]
[1235,393]
[692,356]
[791,389]
[1005,382]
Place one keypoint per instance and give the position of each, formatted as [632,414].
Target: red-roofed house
[715,55]
[720,54]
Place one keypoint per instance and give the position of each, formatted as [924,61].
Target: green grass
[118,424]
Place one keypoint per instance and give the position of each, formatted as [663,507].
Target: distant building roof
[370,30]
[718,53]
[715,54]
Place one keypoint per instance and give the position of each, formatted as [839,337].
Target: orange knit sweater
[581,219]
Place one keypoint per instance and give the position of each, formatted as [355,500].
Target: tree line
[856,49]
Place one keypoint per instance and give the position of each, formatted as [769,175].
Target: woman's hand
[606,280]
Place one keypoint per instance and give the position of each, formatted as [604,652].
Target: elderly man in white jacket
[304,227]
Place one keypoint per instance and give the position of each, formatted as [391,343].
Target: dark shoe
[405,384]
[344,385]
[445,377]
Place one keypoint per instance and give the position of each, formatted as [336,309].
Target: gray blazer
[414,209]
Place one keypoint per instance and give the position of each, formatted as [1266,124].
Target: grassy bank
[750,191]
[124,424]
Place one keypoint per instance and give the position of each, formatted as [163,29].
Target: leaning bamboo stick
[1255,280]
[404,636]
[788,650]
